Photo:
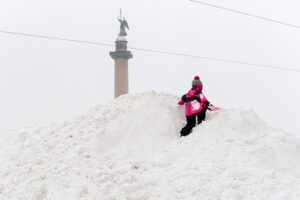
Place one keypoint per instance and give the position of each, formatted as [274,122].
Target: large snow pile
[130,149]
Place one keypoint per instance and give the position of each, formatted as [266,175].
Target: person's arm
[205,102]
[208,105]
[183,100]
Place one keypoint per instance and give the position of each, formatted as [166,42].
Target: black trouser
[191,122]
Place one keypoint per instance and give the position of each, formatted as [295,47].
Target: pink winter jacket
[195,101]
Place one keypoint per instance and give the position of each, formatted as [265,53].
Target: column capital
[120,54]
[121,49]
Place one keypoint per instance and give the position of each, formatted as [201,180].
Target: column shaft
[121,77]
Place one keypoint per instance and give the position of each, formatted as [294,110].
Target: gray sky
[46,80]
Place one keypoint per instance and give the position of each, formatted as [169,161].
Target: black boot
[191,122]
[185,131]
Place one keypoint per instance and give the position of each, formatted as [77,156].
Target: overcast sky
[42,80]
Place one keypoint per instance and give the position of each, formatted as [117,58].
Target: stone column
[121,57]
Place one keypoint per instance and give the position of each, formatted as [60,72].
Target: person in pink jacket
[196,106]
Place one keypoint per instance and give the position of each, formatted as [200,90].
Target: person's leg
[201,115]
[191,122]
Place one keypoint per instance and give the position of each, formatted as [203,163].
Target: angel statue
[123,25]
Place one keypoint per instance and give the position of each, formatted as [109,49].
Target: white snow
[130,148]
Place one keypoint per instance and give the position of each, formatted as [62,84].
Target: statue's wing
[125,23]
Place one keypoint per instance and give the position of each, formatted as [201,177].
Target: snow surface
[130,148]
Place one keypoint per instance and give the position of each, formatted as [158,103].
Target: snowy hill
[130,148]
